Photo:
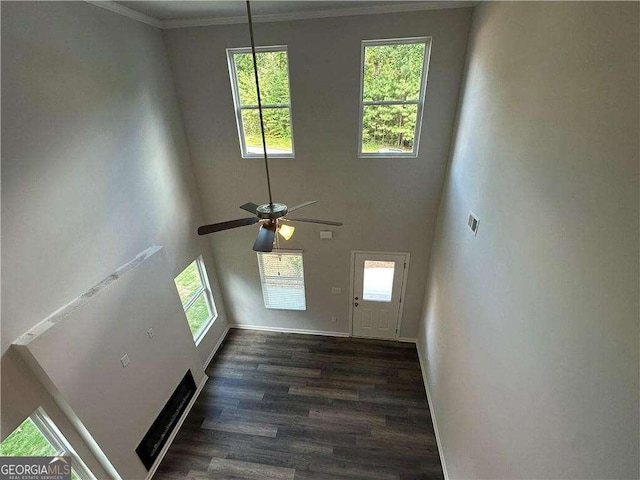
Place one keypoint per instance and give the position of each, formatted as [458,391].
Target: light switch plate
[125,360]
[336,290]
[334,319]
[326,234]
[473,222]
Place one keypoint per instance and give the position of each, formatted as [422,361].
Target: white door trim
[407,256]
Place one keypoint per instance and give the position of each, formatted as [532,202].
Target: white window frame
[238,107]
[419,102]
[262,282]
[205,290]
[53,435]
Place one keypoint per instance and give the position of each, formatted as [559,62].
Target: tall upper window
[394,81]
[196,297]
[282,278]
[273,72]
[37,436]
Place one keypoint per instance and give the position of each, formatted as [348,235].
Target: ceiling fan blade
[266,235]
[302,205]
[218,227]
[250,207]
[312,220]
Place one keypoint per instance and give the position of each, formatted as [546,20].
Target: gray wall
[117,405]
[386,205]
[95,169]
[530,329]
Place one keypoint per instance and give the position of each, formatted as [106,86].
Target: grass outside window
[196,298]
[26,441]
[30,440]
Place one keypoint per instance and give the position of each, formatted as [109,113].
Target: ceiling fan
[272,216]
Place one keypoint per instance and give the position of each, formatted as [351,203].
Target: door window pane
[378,281]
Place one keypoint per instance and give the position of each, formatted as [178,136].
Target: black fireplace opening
[156,437]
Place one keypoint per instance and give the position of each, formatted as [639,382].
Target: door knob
[356,304]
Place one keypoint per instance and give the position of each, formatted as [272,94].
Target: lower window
[197,300]
[37,436]
[282,278]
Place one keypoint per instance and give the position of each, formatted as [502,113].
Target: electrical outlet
[334,319]
[150,333]
[125,360]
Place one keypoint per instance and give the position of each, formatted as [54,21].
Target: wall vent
[473,223]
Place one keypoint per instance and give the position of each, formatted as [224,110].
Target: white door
[377,289]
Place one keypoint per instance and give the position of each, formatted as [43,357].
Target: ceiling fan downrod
[255,72]
[273,217]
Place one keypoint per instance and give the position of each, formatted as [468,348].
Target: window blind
[282,278]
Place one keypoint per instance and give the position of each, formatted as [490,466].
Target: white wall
[95,168]
[530,330]
[386,205]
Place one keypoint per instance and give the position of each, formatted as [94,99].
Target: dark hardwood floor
[305,407]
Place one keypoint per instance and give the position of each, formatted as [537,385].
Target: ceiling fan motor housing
[271,211]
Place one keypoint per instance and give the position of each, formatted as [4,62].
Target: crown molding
[277,17]
[336,12]
[126,12]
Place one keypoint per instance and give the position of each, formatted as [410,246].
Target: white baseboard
[215,349]
[290,330]
[305,332]
[176,429]
[407,340]
[433,413]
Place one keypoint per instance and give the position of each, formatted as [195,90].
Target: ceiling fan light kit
[272,216]
[286,231]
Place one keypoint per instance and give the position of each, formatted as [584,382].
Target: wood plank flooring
[305,407]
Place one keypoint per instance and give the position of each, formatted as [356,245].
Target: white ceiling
[171,11]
